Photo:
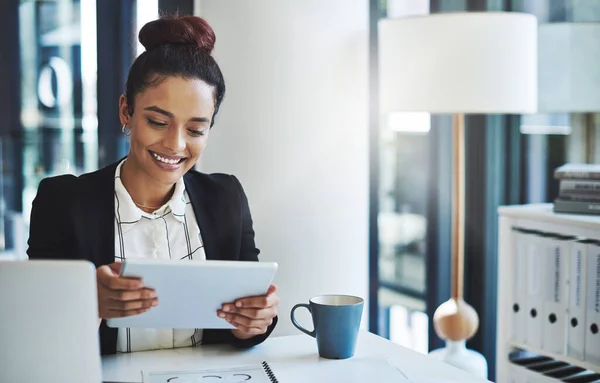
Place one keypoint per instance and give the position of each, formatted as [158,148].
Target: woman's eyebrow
[156,109]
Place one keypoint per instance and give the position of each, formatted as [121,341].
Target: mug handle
[295,323]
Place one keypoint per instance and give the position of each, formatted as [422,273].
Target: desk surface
[298,348]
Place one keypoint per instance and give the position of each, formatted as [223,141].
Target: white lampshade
[569,67]
[459,63]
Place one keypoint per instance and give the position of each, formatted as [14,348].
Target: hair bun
[186,30]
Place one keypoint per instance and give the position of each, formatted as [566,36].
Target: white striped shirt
[170,232]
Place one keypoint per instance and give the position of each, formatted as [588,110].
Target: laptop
[49,322]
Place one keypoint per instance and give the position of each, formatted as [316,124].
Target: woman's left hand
[251,316]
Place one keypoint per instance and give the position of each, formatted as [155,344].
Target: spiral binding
[269,372]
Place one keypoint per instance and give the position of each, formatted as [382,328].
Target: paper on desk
[353,370]
[228,374]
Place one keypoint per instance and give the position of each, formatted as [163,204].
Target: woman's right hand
[121,297]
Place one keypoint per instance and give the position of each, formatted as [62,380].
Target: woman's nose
[175,139]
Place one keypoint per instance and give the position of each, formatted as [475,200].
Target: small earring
[125,131]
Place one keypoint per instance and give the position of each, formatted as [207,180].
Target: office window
[402,217]
[52,126]
[568,126]
[58,91]
[145,11]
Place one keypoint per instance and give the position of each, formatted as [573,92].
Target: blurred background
[363,203]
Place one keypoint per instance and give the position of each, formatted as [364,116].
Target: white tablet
[190,293]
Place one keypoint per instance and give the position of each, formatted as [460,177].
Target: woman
[152,204]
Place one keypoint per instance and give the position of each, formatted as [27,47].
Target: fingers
[108,278]
[250,313]
[132,305]
[253,315]
[260,301]
[250,330]
[132,295]
[272,289]
[115,267]
[248,322]
[124,300]
[118,283]
[264,301]
[126,313]
[117,309]
[121,297]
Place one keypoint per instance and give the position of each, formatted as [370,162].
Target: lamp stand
[457,355]
[455,320]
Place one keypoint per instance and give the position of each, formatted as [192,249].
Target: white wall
[294,129]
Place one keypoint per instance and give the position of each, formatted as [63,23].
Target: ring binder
[269,372]
[567,304]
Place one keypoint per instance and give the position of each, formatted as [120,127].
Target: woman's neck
[145,192]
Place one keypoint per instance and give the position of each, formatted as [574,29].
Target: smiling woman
[152,204]
[168,131]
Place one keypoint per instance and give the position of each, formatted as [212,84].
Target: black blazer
[73,218]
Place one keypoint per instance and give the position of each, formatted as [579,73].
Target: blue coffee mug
[336,321]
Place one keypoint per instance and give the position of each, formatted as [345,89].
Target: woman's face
[169,127]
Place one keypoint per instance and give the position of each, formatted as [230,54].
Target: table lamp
[458,63]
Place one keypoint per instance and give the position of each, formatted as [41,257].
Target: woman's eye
[156,123]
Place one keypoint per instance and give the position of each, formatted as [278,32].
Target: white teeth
[165,160]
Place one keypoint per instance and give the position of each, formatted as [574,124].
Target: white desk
[298,348]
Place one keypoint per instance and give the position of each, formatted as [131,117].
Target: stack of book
[579,191]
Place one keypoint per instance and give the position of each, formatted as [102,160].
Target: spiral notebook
[354,370]
[260,373]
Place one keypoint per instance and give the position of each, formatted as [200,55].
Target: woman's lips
[167,162]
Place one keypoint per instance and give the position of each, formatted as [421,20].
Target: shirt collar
[127,212]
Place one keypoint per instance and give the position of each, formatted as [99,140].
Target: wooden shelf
[561,358]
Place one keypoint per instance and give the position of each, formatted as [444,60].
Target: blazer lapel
[98,214]
[205,211]
[99,229]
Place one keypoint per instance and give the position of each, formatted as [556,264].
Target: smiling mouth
[169,160]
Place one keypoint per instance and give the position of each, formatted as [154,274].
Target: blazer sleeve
[48,231]
[248,252]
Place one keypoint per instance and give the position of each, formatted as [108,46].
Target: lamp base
[457,355]
[455,320]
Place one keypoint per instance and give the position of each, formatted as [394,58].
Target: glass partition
[568,126]
[402,216]
[58,91]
